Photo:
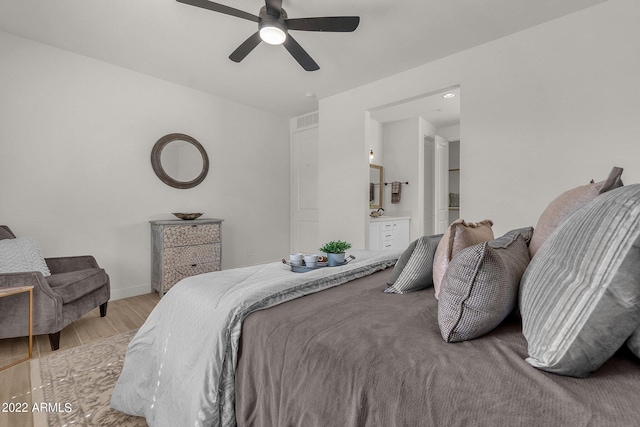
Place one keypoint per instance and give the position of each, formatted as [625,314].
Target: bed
[330,348]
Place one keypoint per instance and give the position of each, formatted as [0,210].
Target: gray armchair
[76,286]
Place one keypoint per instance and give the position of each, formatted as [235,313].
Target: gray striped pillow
[418,272]
[580,295]
[404,258]
[480,287]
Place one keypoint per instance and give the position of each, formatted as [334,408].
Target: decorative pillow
[634,342]
[458,236]
[20,255]
[404,258]
[580,295]
[414,268]
[480,287]
[568,202]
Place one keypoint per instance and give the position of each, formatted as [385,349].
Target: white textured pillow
[20,255]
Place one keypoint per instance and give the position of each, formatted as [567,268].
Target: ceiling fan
[274,26]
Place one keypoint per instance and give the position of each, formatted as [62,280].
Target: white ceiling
[190,46]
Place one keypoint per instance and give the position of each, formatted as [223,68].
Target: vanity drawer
[173,275]
[387,245]
[386,235]
[191,235]
[189,255]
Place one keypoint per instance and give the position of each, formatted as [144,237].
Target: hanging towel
[372,193]
[396,188]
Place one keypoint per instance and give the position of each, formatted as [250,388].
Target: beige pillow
[459,235]
[568,202]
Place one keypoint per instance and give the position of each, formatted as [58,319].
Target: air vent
[308,120]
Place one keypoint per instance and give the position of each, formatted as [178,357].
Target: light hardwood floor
[122,316]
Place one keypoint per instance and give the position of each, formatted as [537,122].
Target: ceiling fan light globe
[272,35]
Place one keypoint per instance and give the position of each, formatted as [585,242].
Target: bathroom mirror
[375,186]
[179,161]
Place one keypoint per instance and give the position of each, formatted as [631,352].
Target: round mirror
[179,161]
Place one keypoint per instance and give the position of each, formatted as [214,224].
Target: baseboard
[130,292]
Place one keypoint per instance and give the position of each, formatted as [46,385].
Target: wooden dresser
[181,249]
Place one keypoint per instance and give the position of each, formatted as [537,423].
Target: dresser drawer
[191,235]
[188,255]
[172,275]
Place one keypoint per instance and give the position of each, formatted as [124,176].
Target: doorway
[424,163]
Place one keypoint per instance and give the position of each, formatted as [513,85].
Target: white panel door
[441,205]
[304,191]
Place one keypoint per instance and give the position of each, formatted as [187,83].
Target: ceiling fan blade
[300,54]
[216,7]
[246,47]
[274,7]
[341,24]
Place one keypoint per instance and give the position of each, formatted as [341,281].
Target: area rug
[73,387]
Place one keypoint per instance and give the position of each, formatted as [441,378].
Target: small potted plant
[335,251]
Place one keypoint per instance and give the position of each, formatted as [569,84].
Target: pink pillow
[568,202]
[459,235]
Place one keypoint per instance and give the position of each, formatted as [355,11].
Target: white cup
[311,260]
[296,259]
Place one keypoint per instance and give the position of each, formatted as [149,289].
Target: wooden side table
[5,292]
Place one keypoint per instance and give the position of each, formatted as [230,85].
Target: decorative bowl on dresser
[181,249]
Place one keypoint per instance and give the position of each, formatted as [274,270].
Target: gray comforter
[354,356]
[179,369]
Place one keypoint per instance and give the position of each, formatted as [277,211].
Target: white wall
[75,173]
[403,152]
[400,144]
[542,111]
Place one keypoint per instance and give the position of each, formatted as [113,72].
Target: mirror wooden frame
[156,161]
[380,169]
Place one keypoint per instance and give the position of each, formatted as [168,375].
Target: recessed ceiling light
[310,95]
[448,95]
